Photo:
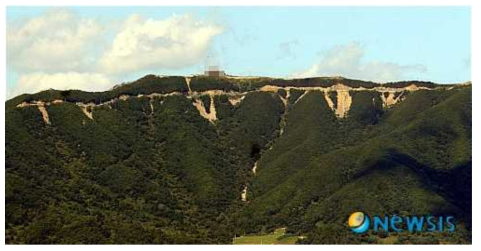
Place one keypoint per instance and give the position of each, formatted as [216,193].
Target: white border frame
[475,15]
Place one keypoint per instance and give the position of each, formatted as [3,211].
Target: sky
[95,48]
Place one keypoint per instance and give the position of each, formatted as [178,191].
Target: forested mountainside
[202,160]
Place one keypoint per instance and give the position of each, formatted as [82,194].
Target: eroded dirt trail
[244,194]
[391,99]
[87,109]
[235,100]
[341,109]
[344,101]
[187,81]
[329,101]
[211,115]
[41,108]
[254,169]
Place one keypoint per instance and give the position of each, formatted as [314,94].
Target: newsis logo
[360,222]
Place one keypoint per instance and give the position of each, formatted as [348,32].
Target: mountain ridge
[202,160]
[181,84]
[391,93]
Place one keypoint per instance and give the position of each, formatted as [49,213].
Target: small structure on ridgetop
[214,71]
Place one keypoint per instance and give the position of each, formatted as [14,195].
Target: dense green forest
[153,170]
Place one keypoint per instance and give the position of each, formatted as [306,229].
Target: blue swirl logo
[359,222]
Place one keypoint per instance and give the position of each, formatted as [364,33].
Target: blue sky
[372,43]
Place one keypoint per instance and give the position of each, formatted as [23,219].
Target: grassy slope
[278,236]
[425,152]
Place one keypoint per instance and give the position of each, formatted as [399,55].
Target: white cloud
[39,81]
[347,61]
[56,41]
[62,50]
[146,44]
